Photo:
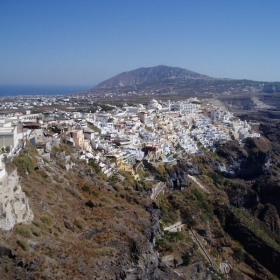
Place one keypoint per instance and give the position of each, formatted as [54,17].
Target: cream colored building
[78,138]
[8,136]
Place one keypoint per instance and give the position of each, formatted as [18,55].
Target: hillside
[167,82]
[87,225]
[84,225]
[149,75]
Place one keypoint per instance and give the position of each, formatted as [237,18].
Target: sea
[15,90]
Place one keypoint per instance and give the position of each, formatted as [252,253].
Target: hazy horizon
[14,90]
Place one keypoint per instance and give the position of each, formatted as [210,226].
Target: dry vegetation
[88,225]
[80,221]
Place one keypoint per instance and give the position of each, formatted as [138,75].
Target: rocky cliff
[269,215]
[243,160]
[174,174]
[253,238]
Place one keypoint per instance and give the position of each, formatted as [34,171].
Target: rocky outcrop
[272,132]
[6,252]
[268,190]
[14,204]
[139,258]
[175,175]
[189,167]
[149,263]
[268,214]
[176,178]
[242,196]
[248,161]
[266,254]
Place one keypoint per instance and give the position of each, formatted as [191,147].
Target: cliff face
[272,133]
[139,258]
[14,204]
[177,176]
[268,189]
[243,196]
[268,214]
[247,162]
[254,160]
[268,255]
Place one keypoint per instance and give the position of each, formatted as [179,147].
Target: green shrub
[59,179]
[96,194]
[64,205]
[24,165]
[186,259]
[86,188]
[35,231]
[201,200]
[169,216]
[79,223]
[118,187]
[90,204]
[238,254]
[164,245]
[46,219]
[42,173]
[174,236]
[23,244]
[217,179]
[94,166]
[50,194]
[43,227]
[74,192]
[105,251]
[23,230]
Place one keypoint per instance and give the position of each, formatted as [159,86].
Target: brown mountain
[148,75]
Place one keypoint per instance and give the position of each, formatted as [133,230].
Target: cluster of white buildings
[124,135]
[156,130]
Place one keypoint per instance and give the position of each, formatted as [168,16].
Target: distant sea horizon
[15,90]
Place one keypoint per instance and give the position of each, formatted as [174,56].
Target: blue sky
[67,42]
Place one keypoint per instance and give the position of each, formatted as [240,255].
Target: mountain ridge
[163,79]
[149,74]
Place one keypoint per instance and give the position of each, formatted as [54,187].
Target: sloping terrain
[89,226]
[83,227]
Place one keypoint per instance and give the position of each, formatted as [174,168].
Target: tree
[238,255]
[186,259]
